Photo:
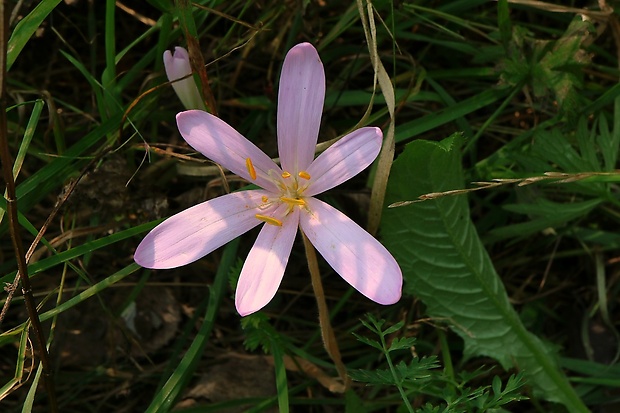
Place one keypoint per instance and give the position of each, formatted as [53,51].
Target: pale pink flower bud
[177,66]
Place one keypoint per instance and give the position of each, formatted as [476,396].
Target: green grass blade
[165,399]
[25,143]
[445,264]
[413,128]
[19,365]
[29,402]
[26,28]
[281,382]
[39,185]
[94,290]
[80,250]
[27,138]
[108,78]
[96,87]
[8,336]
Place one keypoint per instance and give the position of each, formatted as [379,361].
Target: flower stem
[327,332]
[398,381]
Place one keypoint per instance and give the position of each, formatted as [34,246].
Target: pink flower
[177,66]
[286,200]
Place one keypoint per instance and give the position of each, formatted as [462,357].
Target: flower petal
[197,231]
[219,142]
[359,258]
[344,159]
[263,269]
[177,66]
[300,104]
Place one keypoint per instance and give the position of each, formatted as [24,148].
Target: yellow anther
[286,175]
[265,199]
[250,166]
[292,201]
[304,175]
[269,220]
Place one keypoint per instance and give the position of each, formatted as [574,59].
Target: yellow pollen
[286,175]
[250,166]
[269,220]
[292,201]
[265,199]
[304,175]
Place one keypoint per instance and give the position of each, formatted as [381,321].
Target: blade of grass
[8,336]
[29,401]
[13,222]
[165,398]
[411,129]
[19,365]
[26,28]
[85,248]
[37,186]
[108,77]
[281,381]
[25,143]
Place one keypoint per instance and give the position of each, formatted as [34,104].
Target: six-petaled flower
[286,200]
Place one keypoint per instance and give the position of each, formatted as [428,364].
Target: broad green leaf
[446,266]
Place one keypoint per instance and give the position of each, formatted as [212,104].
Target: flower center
[291,189]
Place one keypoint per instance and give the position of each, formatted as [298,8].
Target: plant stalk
[327,332]
[14,229]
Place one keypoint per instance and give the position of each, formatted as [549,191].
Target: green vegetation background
[505,121]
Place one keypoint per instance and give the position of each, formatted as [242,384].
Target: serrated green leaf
[413,374]
[374,377]
[373,324]
[417,369]
[559,69]
[394,328]
[553,146]
[368,341]
[402,343]
[446,266]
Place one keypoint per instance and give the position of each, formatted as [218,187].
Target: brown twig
[553,177]
[11,209]
[196,60]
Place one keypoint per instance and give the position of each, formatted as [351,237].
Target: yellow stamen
[286,175]
[265,199]
[304,175]
[269,220]
[250,166]
[292,201]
